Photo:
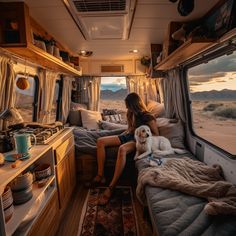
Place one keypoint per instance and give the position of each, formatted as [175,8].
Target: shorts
[124,138]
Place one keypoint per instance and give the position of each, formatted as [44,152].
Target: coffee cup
[23,142]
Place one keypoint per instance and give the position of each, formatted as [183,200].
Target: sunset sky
[217,74]
[113,83]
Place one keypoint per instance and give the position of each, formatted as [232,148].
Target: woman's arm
[153,126]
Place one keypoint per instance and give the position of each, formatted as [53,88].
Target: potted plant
[145,61]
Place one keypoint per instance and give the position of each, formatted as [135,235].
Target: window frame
[219,50]
[59,98]
[35,103]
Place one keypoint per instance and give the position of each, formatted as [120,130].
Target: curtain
[7,87]
[66,97]
[48,83]
[145,87]
[94,93]
[88,89]
[173,97]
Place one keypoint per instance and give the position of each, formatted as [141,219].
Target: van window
[113,93]
[25,98]
[212,88]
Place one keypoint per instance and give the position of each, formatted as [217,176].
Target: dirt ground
[218,130]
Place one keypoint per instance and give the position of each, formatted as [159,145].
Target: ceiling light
[84,53]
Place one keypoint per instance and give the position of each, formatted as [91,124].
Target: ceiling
[150,24]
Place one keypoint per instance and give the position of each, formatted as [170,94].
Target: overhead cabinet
[19,34]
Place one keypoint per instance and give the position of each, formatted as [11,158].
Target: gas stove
[43,133]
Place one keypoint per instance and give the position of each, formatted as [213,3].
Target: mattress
[174,213]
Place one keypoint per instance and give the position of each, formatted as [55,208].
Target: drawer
[64,148]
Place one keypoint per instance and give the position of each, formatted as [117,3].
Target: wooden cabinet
[48,220]
[17,31]
[65,171]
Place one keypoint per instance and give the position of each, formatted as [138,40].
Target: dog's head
[142,133]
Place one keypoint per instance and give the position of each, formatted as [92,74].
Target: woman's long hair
[135,106]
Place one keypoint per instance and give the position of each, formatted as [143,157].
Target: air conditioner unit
[105,19]
[112,68]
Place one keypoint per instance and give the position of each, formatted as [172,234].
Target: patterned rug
[115,218]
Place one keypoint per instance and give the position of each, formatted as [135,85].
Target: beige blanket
[194,178]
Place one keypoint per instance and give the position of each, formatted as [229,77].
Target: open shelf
[187,50]
[40,57]
[20,211]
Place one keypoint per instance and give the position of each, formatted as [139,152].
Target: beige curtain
[48,83]
[145,87]
[173,95]
[94,93]
[66,97]
[7,87]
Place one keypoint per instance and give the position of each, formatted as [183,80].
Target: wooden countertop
[7,173]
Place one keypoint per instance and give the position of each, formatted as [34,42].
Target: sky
[113,83]
[217,74]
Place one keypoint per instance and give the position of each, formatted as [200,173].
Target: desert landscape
[215,120]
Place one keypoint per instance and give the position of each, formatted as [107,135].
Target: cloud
[224,63]
[206,77]
[119,81]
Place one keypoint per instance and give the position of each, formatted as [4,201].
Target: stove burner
[44,134]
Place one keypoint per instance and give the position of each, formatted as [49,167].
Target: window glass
[113,93]
[54,105]
[25,98]
[213,93]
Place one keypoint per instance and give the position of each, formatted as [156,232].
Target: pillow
[111,126]
[157,109]
[113,118]
[77,106]
[74,117]
[90,119]
[173,130]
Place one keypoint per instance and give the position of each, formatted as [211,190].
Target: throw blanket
[86,141]
[194,178]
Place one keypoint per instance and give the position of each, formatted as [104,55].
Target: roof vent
[102,5]
[104,19]
[112,68]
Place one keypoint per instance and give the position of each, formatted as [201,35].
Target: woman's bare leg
[124,149]
[101,155]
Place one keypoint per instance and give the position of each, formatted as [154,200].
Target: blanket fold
[194,178]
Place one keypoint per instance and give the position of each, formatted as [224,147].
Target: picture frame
[221,19]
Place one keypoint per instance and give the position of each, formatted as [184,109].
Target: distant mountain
[117,95]
[225,94]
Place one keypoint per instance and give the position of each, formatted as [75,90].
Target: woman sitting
[137,115]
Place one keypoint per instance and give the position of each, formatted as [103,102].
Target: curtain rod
[17,59]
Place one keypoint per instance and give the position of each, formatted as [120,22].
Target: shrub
[212,106]
[228,112]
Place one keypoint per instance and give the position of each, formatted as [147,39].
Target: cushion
[77,106]
[173,130]
[106,125]
[156,108]
[74,118]
[90,119]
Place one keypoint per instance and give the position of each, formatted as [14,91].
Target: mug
[23,142]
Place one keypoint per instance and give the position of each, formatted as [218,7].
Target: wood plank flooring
[70,221]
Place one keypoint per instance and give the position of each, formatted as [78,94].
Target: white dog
[147,144]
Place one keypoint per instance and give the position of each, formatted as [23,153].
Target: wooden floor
[70,221]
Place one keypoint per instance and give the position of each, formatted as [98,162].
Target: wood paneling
[47,222]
